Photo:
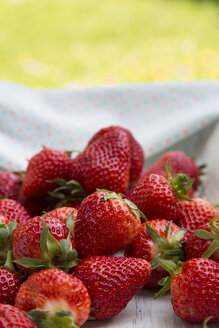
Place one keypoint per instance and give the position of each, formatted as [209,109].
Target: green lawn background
[53,43]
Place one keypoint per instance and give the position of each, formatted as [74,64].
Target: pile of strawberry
[63,220]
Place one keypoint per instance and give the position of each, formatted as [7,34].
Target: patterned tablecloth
[158,114]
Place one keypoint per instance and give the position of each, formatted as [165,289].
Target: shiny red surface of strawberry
[137,154]
[194,291]
[13,210]
[12,317]
[61,213]
[53,291]
[196,214]
[112,282]
[104,226]
[45,166]
[155,197]
[9,285]
[104,164]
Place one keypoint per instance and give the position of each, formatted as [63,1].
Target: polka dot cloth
[158,114]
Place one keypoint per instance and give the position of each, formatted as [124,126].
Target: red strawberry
[196,214]
[158,197]
[45,166]
[155,198]
[10,185]
[61,213]
[57,296]
[40,245]
[9,285]
[137,154]
[104,164]
[112,282]
[12,317]
[204,243]
[105,224]
[194,291]
[179,163]
[13,210]
[157,239]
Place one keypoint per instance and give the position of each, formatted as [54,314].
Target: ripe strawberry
[194,215]
[43,242]
[58,297]
[158,197]
[194,291]
[112,282]
[10,185]
[158,239]
[137,154]
[43,167]
[105,224]
[61,213]
[9,285]
[104,163]
[12,317]
[204,243]
[13,210]
[179,163]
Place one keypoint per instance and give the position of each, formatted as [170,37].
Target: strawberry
[42,168]
[112,282]
[57,298]
[43,242]
[12,317]
[105,163]
[105,224]
[157,239]
[13,210]
[204,243]
[196,214]
[9,285]
[137,154]
[179,163]
[194,291]
[61,213]
[10,185]
[158,197]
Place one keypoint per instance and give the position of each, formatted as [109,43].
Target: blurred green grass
[52,43]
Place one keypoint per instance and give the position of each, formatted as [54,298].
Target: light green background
[47,43]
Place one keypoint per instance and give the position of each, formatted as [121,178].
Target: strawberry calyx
[173,269]
[113,195]
[170,249]
[181,183]
[55,254]
[6,239]
[66,192]
[58,319]
[207,235]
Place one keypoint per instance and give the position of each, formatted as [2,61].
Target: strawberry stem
[213,235]
[181,183]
